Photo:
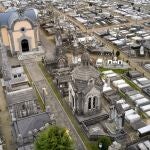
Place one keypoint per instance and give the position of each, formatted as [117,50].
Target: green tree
[105,142]
[54,138]
[117,53]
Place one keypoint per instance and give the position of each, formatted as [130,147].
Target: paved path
[51,100]
[48,45]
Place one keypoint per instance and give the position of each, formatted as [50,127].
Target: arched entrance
[25,45]
[61,63]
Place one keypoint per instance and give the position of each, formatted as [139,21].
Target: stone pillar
[12,46]
[35,37]
[69,97]
[115,116]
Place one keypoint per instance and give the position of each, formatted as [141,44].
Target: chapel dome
[85,71]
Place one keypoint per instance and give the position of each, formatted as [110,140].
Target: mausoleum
[19,30]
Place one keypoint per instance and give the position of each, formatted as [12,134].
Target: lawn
[118,71]
[132,84]
[121,72]
[89,145]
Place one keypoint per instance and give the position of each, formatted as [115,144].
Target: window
[15,76]
[94,101]
[73,104]
[25,45]
[23,29]
[61,63]
[89,103]
[19,75]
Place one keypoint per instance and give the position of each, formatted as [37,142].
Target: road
[60,115]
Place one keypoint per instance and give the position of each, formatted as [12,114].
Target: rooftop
[10,16]
[31,124]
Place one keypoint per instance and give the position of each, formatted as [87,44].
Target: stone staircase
[32,54]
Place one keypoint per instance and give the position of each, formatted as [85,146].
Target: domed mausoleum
[85,88]
[19,30]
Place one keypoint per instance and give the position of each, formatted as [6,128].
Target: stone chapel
[19,30]
[85,88]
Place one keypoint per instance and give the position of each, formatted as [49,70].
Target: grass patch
[121,72]
[142,114]
[133,85]
[27,73]
[122,95]
[118,71]
[89,145]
